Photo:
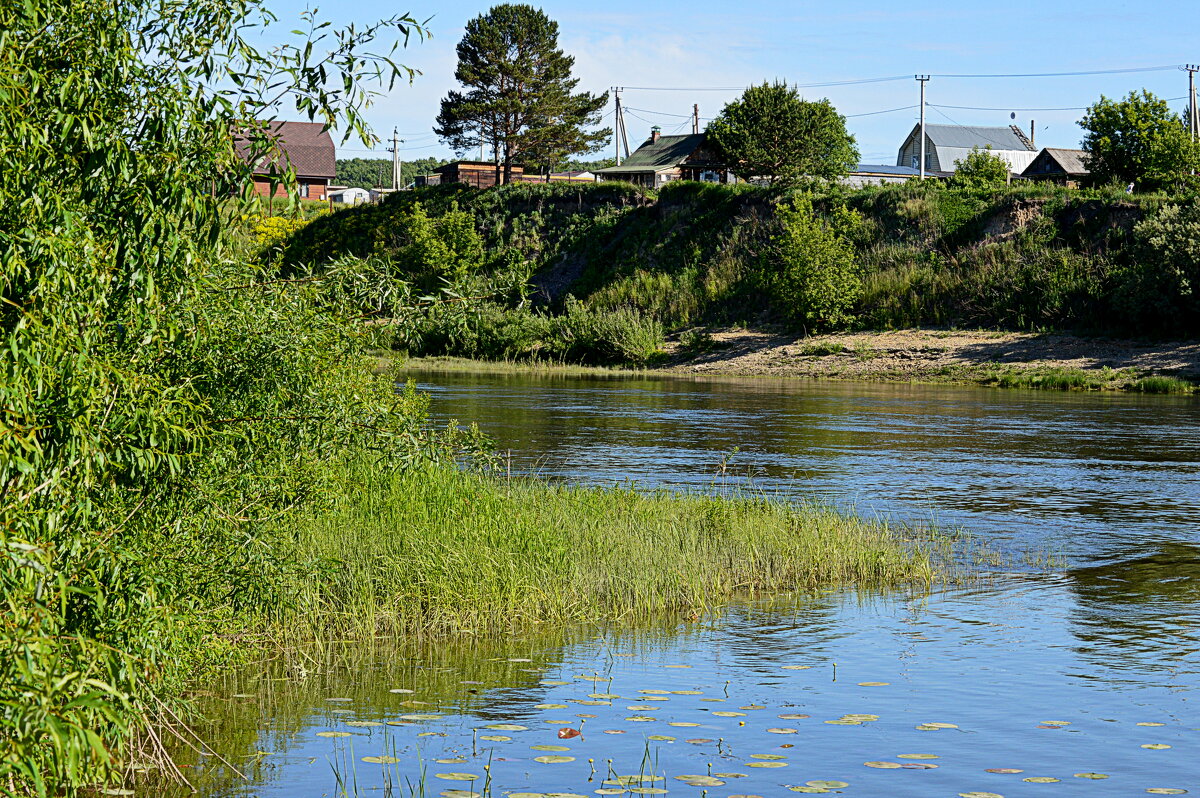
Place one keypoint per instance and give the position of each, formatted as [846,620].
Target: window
[303,189]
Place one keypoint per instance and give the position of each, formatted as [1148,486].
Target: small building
[349,195]
[881,174]
[306,147]
[663,159]
[480,174]
[1065,167]
[559,177]
[947,144]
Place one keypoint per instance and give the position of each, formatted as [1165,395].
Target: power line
[885,111]
[1066,74]
[1006,108]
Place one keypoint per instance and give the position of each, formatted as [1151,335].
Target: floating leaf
[553,759]
[1147,723]
[941,725]
[919,766]
[730,775]
[753,706]
[496,738]
[661,738]
[607,791]
[700,781]
[333,734]
[641,718]
[506,727]
[782,731]
[860,717]
[614,731]
[339,700]
[363,724]
[381,760]
[829,785]
[767,756]
[682,723]
[592,703]
[566,733]
[687,692]
[724,714]
[917,756]
[980,795]
[603,695]
[461,794]
[420,717]
[1091,775]
[873,684]
[796,667]
[457,776]
[550,706]
[458,760]
[884,765]
[549,748]
[1004,770]
[793,716]
[1040,779]
[846,723]
[700,740]
[1156,746]
[1165,791]
[808,789]
[553,682]
[400,690]
[654,790]
[1056,723]
[766,764]
[655,692]
[397,723]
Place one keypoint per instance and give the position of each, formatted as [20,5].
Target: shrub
[1160,289]
[810,269]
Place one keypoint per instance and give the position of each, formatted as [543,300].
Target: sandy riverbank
[939,356]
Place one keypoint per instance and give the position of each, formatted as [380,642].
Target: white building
[350,196]
[946,144]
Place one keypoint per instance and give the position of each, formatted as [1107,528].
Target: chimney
[1032,134]
[655,134]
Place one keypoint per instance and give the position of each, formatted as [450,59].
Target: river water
[1073,668]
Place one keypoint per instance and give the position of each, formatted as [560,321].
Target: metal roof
[655,156]
[999,138]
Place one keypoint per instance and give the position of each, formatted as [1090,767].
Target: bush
[1160,289]
[810,269]
[981,169]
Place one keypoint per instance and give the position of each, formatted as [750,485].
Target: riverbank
[1003,359]
[1006,359]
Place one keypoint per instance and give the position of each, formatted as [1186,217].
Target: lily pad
[829,785]
[506,727]
[553,759]
[401,690]
[655,692]
[1148,723]
[682,723]
[941,725]
[917,756]
[873,684]
[654,790]
[700,780]
[333,734]
[809,789]
[1165,791]
[793,716]
[457,776]
[753,706]
[781,731]
[687,692]
[980,795]
[766,764]
[550,706]
[381,760]
[339,700]
[1096,776]
[726,714]
[363,724]
[767,756]
[457,760]
[1040,779]
[460,794]
[661,738]
[549,748]
[496,738]
[641,719]
[553,682]
[420,717]
[700,740]
[1004,770]
[1156,746]
[884,765]
[796,667]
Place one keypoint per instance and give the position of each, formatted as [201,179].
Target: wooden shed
[1065,167]
[662,159]
[480,174]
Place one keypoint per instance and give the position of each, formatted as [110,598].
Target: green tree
[981,169]
[165,407]
[1138,140]
[773,134]
[520,97]
[368,172]
[810,269]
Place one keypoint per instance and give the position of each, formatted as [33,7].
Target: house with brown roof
[1065,167]
[306,147]
[662,159]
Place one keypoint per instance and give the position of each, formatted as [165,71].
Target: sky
[672,54]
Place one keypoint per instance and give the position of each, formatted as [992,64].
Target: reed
[441,550]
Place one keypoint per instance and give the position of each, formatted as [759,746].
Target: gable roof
[666,153]
[966,137]
[1070,162]
[307,146]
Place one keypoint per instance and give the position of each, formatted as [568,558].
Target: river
[1070,667]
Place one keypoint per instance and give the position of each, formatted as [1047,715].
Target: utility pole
[696,118]
[395,150]
[619,136]
[1193,114]
[922,79]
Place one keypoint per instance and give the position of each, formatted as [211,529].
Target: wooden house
[480,174]
[1065,167]
[304,146]
[945,145]
[662,159]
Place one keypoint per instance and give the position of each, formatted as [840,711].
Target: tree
[519,96]
[981,169]
[771,133]
[368,172]
[1140,141]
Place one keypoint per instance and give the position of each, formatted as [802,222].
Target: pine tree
[518,93]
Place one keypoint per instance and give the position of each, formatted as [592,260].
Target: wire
[794,85]
[885,111]
[1068,74]
[1072,108]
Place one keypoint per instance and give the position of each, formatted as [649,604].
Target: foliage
[270,231]
[376,172]
[810,268]
[164,410]
[1139,141]
[771,133]
[445,248]
[519,94]
[1161,286]
[981,169]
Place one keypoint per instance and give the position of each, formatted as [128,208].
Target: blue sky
[706,44]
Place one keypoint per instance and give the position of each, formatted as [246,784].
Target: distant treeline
[373,172]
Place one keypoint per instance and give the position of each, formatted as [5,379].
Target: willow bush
[164,407]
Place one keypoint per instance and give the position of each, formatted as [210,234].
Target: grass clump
[440,549]
[1160,384]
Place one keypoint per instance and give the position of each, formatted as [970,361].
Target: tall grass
[438,549]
